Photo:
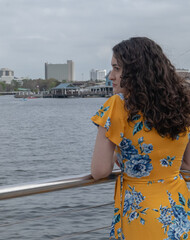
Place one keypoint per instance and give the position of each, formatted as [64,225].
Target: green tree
[2,86]
[15,85]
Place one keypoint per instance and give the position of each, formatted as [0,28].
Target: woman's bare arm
[186,158]
[102,159]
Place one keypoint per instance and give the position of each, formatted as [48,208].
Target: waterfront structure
[23,93]
[6,75]
[102,90]
[60,72]
[97,75]
[65,90]
[105,89]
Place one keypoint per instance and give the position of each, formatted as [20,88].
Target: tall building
[6,75]
[97,74]
[60,71]
[108,81]
[93,75]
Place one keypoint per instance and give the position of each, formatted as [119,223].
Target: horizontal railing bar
[39,187]
[45,186]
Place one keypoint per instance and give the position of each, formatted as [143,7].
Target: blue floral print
[139,125]
[165,217]
[174,218]
[131,208]
[145,148]
[127,149]
[139,186]
[108,123]
[120,162]
[147,125]
[115,220]
[112,231]
[136,117]
[165,162]
[102,111]
[140,140]
[161,181]
[137,165]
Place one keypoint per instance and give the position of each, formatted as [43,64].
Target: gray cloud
[36,31]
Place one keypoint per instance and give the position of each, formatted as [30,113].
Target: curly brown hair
[153,87]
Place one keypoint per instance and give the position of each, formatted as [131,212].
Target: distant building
[93,75]
[184,73]
[102,90]
[108,81]
[60,72]
[20,80]
[6,75]
[97,74]
[65,90]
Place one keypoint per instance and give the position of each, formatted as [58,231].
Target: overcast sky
[33,32]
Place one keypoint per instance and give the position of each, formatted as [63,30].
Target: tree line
[34,85]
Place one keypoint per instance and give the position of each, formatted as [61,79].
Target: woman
[144,128]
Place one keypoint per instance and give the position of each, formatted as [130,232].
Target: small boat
[31,97]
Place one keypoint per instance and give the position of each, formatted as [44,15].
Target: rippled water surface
[44,139]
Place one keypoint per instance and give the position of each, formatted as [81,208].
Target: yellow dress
[152,200]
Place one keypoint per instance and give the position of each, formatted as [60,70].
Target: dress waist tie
[116,229]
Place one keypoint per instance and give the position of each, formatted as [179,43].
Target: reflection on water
[48,138]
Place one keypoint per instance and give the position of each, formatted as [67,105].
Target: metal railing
[15,191]
[45,186]
[56,184]
[39,187]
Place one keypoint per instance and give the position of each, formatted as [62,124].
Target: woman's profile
[144,128]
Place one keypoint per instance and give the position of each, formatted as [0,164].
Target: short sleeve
[112,116]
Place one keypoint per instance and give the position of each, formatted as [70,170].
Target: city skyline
[37,31]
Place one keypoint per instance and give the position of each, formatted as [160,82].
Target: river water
[48,138]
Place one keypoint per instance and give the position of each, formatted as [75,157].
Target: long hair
[153,87]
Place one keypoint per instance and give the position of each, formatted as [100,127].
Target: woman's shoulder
[116,98]
[116,103]
[119,96]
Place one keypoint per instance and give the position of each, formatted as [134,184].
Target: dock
[76,95]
